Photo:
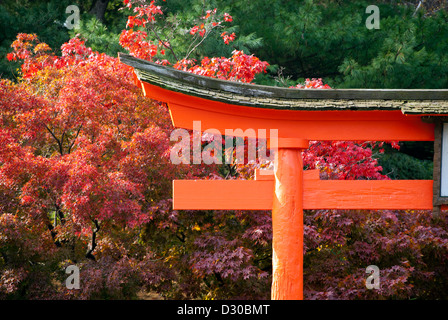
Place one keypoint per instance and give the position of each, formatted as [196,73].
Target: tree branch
[61,146]
[181,237]
[99,8]
[200,42]
[57,140]
[52,232]
[92,245]
[418,7]
[60,214]
[73,142]
[163,42]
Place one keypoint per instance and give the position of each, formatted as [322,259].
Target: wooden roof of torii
[330,114]
[408,101]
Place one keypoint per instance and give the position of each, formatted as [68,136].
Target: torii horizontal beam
[318,194]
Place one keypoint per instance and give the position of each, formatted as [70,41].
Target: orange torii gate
[299,116]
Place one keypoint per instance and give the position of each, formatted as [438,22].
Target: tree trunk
[99,9]
[92,246]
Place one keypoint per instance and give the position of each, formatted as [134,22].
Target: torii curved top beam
[332,114]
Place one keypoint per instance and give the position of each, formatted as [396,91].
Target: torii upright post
[287,221]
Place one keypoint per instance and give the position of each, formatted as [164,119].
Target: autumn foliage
[85,179]
[82,153]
